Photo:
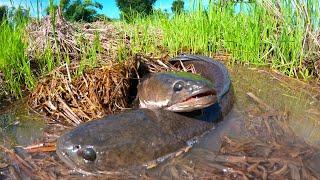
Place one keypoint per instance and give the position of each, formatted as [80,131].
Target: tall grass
[261,33]
[282,36]
[16,65]
[14,62]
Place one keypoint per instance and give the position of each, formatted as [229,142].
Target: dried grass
[65,41]
[271,151]
[73,101]
[59,37]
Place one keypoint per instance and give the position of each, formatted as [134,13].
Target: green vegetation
[79,10]
[279,36]
[257,33]
[132,8]
[14,62]
[177,6]
[20,70]
[3,12]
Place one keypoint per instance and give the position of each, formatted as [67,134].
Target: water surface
[18,127]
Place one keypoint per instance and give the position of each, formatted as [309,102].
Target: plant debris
[69,41]
[97,92]
[73,101]
[270,151]
[55,34]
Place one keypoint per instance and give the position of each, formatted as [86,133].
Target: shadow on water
[249,131]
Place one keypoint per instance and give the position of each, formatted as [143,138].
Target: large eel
[214,71]
[144,137]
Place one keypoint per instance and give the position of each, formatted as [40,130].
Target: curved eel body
[214,71]
[135,138]
[128,140]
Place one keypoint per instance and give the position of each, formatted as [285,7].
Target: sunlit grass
[13,59]
[283,37]
[256,33]
[16,65]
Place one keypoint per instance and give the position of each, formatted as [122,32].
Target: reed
[263,33]
[282,35]
[14,62]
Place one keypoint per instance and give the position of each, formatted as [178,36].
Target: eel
[163,126]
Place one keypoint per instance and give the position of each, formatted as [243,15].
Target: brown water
[300,103]
[18,127]
[289,97]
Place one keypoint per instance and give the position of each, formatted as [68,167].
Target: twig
[261,104]
[19,161]
[42,147]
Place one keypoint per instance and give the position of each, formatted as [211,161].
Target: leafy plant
[177,6]
[79,10]
[132,8]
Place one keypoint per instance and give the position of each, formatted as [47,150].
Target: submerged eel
[159,129]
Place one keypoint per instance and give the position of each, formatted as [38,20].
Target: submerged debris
[271,151]
[243,159]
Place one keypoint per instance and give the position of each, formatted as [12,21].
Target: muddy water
[17,127]
[302,105]
[281,95]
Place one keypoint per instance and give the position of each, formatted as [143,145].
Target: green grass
[256,33]
[14,62]
[89,54]
[253,33]
[16,65]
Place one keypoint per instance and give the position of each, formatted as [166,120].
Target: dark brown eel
[143,137]
[216,72]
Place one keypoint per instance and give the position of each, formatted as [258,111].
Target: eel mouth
[198,100]
[200,94]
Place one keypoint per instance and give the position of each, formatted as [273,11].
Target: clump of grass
[265,33]
[282,36]
[14,62]
[89,54]
[25,57]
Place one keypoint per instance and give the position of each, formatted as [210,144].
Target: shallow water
[301,105]
[20,128]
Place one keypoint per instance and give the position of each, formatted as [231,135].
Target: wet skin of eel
[216,72]
[132,138]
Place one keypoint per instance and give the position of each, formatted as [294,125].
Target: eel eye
[76,147]
[178,86]
[89,154]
